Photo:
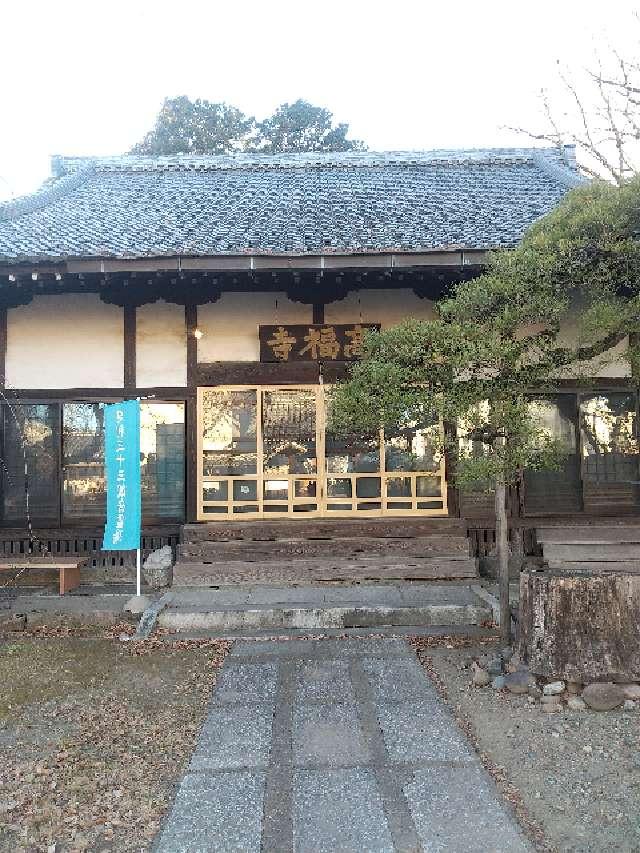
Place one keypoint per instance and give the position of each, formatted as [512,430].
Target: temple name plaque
[314,342]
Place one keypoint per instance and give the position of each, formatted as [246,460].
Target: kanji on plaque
[314,342]
[355,347]
[321,343]
[282,343]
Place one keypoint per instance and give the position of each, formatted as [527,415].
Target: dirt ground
[94,734]
[574,777]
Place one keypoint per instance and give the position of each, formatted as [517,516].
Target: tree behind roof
[302,127]
[197,127]
[202,127]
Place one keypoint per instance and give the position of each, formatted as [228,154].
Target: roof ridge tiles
[246,161]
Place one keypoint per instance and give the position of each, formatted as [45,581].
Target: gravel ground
[94,734]
[574,777]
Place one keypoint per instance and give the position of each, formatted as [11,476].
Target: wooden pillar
[3,346]
[130,348]
[318,312]
[453,497]
[191,480]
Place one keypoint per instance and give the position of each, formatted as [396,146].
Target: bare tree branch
[602,119]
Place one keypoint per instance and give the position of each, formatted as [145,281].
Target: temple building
[227,293]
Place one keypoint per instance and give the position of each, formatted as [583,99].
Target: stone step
[596,534]
[588,552]
[629,566]
[311,608]
[475,632]
[321,528]
[352,548]
[306,571]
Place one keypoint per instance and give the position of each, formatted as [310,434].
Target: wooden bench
[68,569]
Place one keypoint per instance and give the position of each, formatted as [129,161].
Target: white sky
[89,77]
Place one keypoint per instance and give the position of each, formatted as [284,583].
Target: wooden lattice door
[264,452]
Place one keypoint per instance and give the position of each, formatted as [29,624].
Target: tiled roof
[284,204]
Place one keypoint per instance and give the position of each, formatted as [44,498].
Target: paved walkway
[333,746]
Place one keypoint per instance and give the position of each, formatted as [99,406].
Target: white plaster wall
[388,307]
[230,326]
[610,364]
[70,340]
[161,345]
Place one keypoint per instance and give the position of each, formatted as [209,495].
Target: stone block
[215,814]
[603,697]
[328,735]
[323,681]
[246,683]
[398,680]
[338,810]
[157,569]
[457,810]
[233,738]
[418,731]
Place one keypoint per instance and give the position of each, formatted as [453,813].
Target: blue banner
[122,468]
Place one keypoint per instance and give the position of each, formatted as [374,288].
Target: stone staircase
[597,547]
[320,550]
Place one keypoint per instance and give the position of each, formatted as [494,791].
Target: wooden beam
[258,373]
[330,261]
[191,419]
[130,327]
[105,395]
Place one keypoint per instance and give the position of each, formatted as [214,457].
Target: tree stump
[581,626]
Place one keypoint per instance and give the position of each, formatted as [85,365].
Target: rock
[574,687]
[498,682]
[552,707]
[158,568]
[495,666]
[481,677]
[631,691]
[575,703]
[535,692]
[137,604]
[513,663]
[629,705]
[553,688]
[604,696]
[13,622]
[554,699]
[518,682]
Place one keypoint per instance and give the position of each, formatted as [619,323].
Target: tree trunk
[581,626]
[502,553]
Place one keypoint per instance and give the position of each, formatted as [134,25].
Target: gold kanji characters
[282,343]
[355,347]
[322,343]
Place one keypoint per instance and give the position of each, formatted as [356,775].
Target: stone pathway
[334,746]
